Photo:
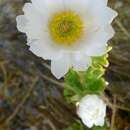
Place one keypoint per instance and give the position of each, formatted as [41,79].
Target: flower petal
[42,49]
[72,4]
[48,6]
[99,122]
[21,23]
[88,123]
[110,15]
[81,62]
[29,10]
[35,26]
[96,44]
[60,67]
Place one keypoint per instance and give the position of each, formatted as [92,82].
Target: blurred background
[32,99]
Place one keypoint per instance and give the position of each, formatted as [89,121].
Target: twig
[61,85]
[113,115]
[4,87]
[53,81]
[124,30]
[107,101]
[117,105]
[47,121]
[25,98]
[123,108]
[46,65]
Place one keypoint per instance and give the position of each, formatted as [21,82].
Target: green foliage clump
[91,81]
[100,128]
[78,126]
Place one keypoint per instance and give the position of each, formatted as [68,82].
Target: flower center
[66,28]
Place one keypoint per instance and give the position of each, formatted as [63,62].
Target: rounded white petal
[60,67]
[29,10]
[85,4]
[21,23]
[111,14]
[48,6]
[35,26]
[97,45]
[81,62]
[100,122]
[88,122]
[92,110]
[44,50]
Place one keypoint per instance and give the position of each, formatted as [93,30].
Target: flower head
[67,32]
[92,110]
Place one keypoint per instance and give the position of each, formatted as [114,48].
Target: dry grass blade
[113,115]
[25,98]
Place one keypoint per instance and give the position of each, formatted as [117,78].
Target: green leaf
[100,60]
[79,126]
[76,126]
[73,87]
[100,128]
[95,86]
[94,72]
[72,79]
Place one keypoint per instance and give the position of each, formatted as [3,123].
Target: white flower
[92,110]
[67,32]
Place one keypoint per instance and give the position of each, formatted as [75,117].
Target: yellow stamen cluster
[66,28]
